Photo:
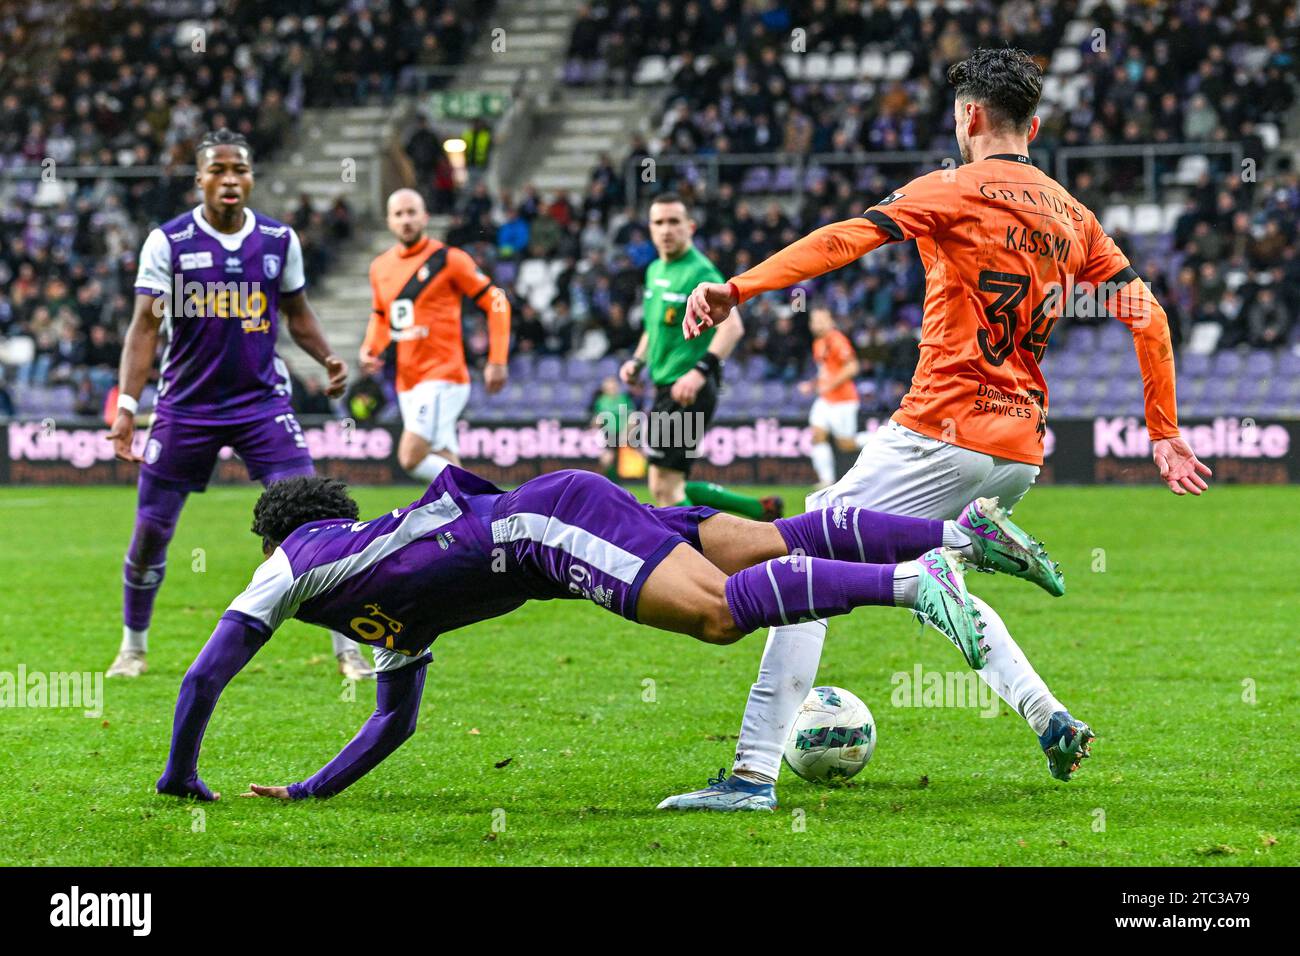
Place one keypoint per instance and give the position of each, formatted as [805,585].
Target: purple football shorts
[182,456]
[575,534]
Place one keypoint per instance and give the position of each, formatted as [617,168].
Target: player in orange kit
[1006,249]
[834,415]
[417,287]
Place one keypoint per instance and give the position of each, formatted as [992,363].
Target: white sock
[1009,673]
[342,643]
[135,640]
[785,677]
[956,537]
[823,460]
[430,468]
[907,581]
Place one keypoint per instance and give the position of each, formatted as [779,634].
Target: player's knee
[409,458]
[717,626]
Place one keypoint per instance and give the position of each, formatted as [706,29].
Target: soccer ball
[832,737]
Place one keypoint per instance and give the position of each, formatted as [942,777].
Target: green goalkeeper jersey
[667,284]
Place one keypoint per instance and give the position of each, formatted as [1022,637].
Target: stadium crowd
[71,97]
[574,263]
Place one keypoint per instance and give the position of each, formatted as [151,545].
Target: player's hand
[276,793]
[807,388]
[1179,467]
[494,377]
[122,434]
[337,370]
[192,787]
[686,388]
[709,304]
[630,372]
[370,364]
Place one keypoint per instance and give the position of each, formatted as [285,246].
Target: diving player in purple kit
[466,551]
[214,281]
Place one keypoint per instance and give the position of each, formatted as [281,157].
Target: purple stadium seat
[549,368]
[786,180]
[1227,363]
[503,274]
[1083,339]
[1260,364]
[1193,363]
[1115,338]
[757,179]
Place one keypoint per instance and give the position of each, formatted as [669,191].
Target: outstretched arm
[817,253]
[397,704]
[495,304]
[232,645]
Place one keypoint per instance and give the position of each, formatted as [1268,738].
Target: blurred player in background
[686,373]
[214,283]
[417,287]
[834,414]
[610,407]
[1003,245]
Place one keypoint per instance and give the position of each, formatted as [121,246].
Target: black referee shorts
[674,431]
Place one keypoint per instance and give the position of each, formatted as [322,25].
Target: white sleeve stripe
[780,605]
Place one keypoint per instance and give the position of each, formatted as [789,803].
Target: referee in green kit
[686,374]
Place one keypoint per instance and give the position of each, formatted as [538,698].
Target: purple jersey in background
[222,295]
[396,581]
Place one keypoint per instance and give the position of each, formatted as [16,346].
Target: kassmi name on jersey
[221,300]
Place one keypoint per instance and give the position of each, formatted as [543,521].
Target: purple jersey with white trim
[396,581]
[222,295]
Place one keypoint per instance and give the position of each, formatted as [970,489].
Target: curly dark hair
[293,502]
[1005,81]
[220,137]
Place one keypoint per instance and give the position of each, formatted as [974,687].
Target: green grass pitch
[548,737]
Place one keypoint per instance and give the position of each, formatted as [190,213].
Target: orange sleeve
[918,209]
[377,331]
[1128,299]
[494,302]
[844,349]
[827,248]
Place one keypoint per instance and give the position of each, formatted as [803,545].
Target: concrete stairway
[578,127]
[335,152]
[524,38]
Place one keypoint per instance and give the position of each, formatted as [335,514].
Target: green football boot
[943,603]
[1002,545]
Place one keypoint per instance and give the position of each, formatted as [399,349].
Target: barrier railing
[708,168]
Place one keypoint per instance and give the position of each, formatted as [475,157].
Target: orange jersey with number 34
[1006,251]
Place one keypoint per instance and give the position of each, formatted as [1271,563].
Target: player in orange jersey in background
[835,412]
[417,287]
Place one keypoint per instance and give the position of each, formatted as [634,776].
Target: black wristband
[639,363]
[708,365]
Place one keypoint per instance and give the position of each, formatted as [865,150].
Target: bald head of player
[223,164]
[407,216]
[671,226]
[997,92]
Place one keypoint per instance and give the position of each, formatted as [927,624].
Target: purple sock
[846,533]
[146,558]
[792,589]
